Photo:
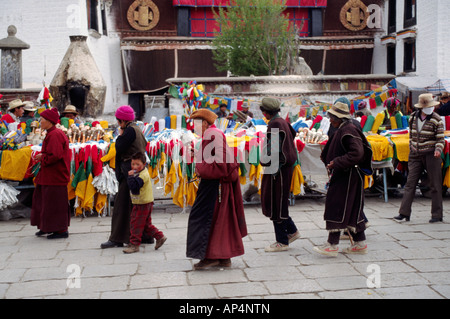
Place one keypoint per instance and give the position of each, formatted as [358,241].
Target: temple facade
[139,44]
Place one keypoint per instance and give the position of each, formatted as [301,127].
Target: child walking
[141,191]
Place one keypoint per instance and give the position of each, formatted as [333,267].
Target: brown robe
[351,153]
[216,223]
[275,188]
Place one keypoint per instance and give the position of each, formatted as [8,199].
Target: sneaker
[359,248]
[160,242]
[293,237]
[327,249]
[275,247]
[131,249]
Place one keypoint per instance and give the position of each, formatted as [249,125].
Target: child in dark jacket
[141,191]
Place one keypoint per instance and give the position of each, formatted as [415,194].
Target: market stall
[170,139]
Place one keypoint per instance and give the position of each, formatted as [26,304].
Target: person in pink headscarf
[363,109]
[131,140]
[392,106]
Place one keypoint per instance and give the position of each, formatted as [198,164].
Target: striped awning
[225,3]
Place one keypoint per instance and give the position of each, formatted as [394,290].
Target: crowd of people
[216,222]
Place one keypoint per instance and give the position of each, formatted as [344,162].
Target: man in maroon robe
[216,222]
[50,210]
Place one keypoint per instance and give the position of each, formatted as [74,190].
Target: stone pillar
[11,60]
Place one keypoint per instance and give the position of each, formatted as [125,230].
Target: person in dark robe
[216,223]
[50,209]
[348,157]
[130,141]
[278,158]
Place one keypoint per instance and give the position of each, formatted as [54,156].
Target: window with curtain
[203,23]
[392,16]
[410,13]
[409,62]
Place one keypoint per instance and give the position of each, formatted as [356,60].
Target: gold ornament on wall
[354,15]
[143,15]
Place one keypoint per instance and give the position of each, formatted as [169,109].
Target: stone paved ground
[412,260]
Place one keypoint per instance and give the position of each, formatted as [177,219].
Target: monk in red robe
[50,211]
[216,222]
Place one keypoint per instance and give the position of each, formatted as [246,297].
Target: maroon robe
[217,222]
[275,188]
[50,211]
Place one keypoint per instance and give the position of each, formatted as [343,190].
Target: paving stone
[292,286]
[188,292]
[156,280]
[413,259]
[412,292]
[131,294]
[328,270]
[216,277]
[37,288]
[237,290]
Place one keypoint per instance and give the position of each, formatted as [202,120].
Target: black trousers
[333,237]
[284,228]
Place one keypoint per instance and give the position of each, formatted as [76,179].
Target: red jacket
[7,118]
[55,162]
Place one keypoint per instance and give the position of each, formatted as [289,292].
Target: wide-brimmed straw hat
[14,104]
[29,106]
[70,109]
[340,110]
[426,100]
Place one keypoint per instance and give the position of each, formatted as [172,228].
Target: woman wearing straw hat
[426,144]
[347,156]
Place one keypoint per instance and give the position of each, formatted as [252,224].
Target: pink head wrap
[125,113]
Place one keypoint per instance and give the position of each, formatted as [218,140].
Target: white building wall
[427,38]
[46,26]
[443,39]
[432,42]
[379,51]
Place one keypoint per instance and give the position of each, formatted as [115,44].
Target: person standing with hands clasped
[50,210]
[141,191]
[426,144]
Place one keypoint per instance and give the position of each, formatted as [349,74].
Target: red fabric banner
[225,3]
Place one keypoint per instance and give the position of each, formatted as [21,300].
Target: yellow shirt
[145,195]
